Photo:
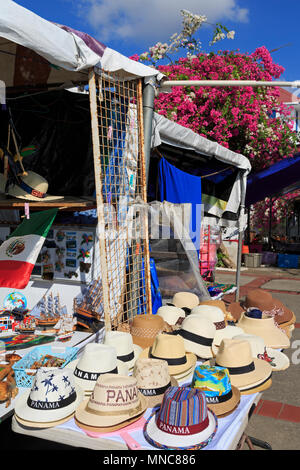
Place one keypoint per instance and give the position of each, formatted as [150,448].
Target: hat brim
[108,429]
[164,440]
[280,361]
[273,338]
[17,192]
[85,417]
[156,400]
[228,332]
[201,351]
[226,407]
[191,360]
[40,417]
[43,425]
[259,388]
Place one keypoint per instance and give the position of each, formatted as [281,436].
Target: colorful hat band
[126,357]
[34,192]
[51,405]
[218,399]
[177,361]
[81,374]
[144,332]
[152,392]
[240,370]
[195,338]
[182,430]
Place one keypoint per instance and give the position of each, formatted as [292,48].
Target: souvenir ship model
[65,326]
[49,311]
[27,326]
[89,309]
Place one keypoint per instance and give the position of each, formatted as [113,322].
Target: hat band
[174,361]
[239,370]
[51,405]
[81,374]
[218,399]
[182,430]
[152,392]
[220,325]
[34,192]
[130,412]
[195,338]
[126,357]
[141,332]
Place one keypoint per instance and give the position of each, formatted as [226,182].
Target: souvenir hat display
[51,400]
[96,359]
[153,379]
[215,303]
[198,334]
[170,314]
[185,300]
[127,352]
[264,301]
[32,187]
[221,396]
[277,359]
[170,348]
[144,329]
[183,421]
[266,328]
[245,371]
[216,315]
[114,403]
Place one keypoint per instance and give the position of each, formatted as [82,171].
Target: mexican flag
[18,254]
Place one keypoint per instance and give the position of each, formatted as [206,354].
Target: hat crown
[260,299]
[256,342]
[170,313]
[121,340]
[185,299]
[35,181]
[234,353]
[168,346]
[212,312]
[199,325]
[182,406]
[213,381]
[116,393]
[52,385]
[98,357]
[151,373]
[148,321]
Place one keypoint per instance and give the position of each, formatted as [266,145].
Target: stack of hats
[145,328]
[171,315]
[198,334]
[127,352]
[221,305]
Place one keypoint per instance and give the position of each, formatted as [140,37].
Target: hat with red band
[32,187]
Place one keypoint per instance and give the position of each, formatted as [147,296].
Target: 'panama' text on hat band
[195,338]
[51,405]
[81,374]
[182,430]
[152,392]
[240,370]
[218,399]
[174,361]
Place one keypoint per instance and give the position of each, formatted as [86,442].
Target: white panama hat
[127,352]
[33,187]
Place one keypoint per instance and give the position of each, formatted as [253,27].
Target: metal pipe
[148,110]
[170,83]
[240,242]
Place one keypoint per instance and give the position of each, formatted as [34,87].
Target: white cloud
[155,19]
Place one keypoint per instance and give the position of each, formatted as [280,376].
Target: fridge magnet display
[71,254]
[83,254]
[71,263]
[15,300]
[70,274]
[85,267]
[86,239]
[60,236]
[59,266]
[71,244]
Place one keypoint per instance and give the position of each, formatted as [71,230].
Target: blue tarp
[273,180]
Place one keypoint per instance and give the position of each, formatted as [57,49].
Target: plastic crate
[24,374]
[269,258]
[252,260]
[287,261]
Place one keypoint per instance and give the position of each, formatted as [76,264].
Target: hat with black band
[198,334]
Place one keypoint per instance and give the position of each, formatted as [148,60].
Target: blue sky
[132,26]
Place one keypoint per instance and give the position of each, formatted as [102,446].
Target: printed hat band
[152,392]
[51,405]
[174,361]
[240,370]
[81,374]
[34,192]
[131,412]
[220,325]
[218,399]
[195,338]
[182,430]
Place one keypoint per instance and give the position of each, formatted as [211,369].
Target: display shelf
[67,203]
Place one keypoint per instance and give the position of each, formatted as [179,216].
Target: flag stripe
[31,245]
[15,274]
[39,223]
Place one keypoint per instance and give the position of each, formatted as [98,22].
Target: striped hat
[182,422]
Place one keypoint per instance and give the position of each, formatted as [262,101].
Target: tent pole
[240,242]
[148,110]
[270,223]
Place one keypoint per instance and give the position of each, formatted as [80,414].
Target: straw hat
[259,388]
[244,370]
[221,396]
[153,379]
[183,422]
[216,315]
[274,357]
[127,352]
[198,334]
[264,301]
[235,310]
[171,348]
[170,314]
[216,303]
[33,187]
[267,329]
[144,328]
[51,400]
[185,299]
[114,403]
[96,360]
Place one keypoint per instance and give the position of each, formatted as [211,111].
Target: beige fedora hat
[198,334]
[127,352]
[170,314]
[153,379]
[216,315]
[33,187]
[185,300]
[244,370]
[171,348]
[51,400]
[257,389]
[115,401]
[266,328]
[97,359]
[277,359]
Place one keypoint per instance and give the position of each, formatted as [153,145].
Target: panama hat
[185,300]
[170,314]
[153,379]
[266,328]
[183,421]
[144,328]
[235,311]
[171,348]
[257,389]
[277,359]
[127,352]
[32,187]
[216,315]
[214,381]
[51,400]
[96,359]
[114,403]
[216,303]
[264,301]
[244,370]
[198,334]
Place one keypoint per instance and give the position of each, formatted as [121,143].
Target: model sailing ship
[49,311]
[27,326]
[89,309]
[65,326]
